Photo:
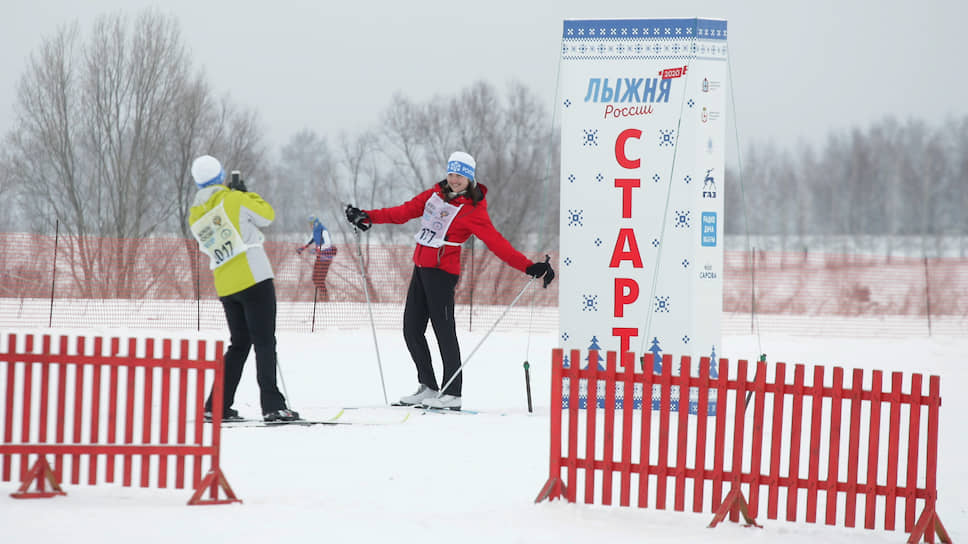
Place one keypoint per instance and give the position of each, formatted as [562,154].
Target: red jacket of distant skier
[470,220]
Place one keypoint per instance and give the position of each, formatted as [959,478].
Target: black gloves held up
[542,270]
[236,183]
[359,218]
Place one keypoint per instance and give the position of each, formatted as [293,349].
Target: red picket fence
[794,447]
[126,411]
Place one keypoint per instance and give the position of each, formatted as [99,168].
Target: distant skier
[450,211]
[325,251]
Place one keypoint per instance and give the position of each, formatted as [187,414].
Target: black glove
[358,218]
[542,269]
[237,184]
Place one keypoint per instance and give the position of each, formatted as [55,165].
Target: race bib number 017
[217,237]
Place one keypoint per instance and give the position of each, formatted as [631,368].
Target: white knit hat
[207,171]
[461,163]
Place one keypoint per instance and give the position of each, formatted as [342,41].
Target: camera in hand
[237,184]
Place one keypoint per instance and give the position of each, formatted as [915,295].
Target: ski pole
[527,351]
[282,382]
[312,325]
[749,394]
[527,385]
[369,307]
[473,351]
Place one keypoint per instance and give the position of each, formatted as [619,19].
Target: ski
[297,422]
[428,410]
[346,416]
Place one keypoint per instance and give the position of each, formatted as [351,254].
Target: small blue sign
[708,229]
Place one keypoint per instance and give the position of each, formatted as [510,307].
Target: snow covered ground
[448,478]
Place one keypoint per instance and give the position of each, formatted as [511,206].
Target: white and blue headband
[461,163]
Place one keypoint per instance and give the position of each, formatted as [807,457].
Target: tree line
[893,180]
[108,122]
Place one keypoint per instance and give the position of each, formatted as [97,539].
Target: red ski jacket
[470,220]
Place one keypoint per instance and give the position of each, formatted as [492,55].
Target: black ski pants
[431,297]
[251,315]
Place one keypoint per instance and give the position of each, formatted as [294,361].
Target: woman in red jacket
[450,212]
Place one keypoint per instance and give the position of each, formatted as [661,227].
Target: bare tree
[359,183]
[509,138]
[303,183]
[959,131]
[105,133]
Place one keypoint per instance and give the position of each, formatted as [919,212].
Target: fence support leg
[553,489]
[929,523]
[39,473]
[213,481]
[735,502]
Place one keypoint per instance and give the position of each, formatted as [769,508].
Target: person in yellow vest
[225,221]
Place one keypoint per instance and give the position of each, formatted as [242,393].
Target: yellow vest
[247,212]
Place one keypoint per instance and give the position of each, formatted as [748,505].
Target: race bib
[217,237]
[437,217]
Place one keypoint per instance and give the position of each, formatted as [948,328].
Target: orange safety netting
[165,282]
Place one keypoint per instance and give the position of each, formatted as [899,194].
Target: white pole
[369,307]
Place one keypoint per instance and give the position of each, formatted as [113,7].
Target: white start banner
[642,162]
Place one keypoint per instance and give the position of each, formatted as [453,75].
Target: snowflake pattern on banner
[666,137]
[637,39]
[681,220]
[575,218]
[591,137]
[655,404]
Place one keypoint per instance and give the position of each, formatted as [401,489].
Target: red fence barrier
[789,441]
[130,413]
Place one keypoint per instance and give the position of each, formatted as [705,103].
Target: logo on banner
[625,89]
[670,73]
[707,272]
[709,185]
[710,86]
[709,229]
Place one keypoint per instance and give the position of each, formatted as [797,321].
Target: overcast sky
[800,68]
